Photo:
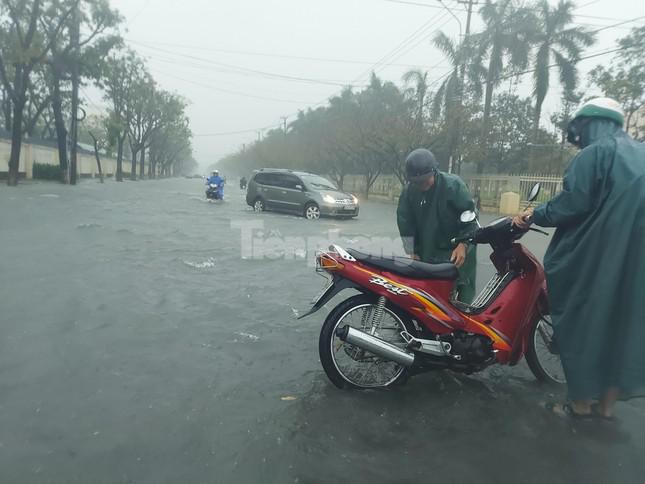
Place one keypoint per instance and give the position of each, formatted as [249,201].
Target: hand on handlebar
[524,219]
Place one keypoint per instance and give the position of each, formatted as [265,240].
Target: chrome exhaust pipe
[375,345]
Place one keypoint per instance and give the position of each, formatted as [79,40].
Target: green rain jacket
[595,264]
[429,220]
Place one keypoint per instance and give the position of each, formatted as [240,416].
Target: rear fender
[338,284]
[543,301]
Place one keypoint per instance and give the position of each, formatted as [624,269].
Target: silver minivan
[299,192]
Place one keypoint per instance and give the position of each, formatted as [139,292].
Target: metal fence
[487,188]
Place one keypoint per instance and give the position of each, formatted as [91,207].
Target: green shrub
[46,172]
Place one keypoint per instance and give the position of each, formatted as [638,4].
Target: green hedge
[46,172]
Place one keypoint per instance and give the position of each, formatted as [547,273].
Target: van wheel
[312,211]
[258,205]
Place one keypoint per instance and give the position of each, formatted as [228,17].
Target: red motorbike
[405,319]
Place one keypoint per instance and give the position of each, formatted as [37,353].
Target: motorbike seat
[407,267]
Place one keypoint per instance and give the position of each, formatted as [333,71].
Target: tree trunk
[6,109]
[119,158]
[150,167]
[96,155]
[142,163]
[536,118]
[368,185]
[133,169]
[16,142]
[61,131]
[488,100]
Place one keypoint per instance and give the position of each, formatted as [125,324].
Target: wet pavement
[141,341]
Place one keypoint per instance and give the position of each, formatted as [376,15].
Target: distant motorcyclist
[215,179]
[243,183]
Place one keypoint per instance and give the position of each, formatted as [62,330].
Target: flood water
[141,341]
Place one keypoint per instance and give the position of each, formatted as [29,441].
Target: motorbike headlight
[329,199]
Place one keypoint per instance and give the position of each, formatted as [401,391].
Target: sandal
[595,411]
[565,410]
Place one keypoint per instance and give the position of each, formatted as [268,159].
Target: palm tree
[419,79]
[504,36]
[450,96]
[555,40]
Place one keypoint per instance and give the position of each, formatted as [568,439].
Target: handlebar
[539,231]
[459,240]
[496,234]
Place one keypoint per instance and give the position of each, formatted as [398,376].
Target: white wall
[46,155]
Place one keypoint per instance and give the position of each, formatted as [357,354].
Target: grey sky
[245,63]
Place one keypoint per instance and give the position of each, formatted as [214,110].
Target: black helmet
[420,164]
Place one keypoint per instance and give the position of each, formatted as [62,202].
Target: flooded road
[141,341]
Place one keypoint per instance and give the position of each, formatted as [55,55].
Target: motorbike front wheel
[348,366]
[542,354]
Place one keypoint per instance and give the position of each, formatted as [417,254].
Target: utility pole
[454,160]
[470,4]
[75,39]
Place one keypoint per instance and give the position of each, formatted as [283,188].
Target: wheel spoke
[546,352]
[362,368]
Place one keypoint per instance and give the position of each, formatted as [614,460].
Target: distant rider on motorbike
[215,179]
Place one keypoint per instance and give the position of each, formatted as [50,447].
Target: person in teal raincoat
[595,264]
[428,217]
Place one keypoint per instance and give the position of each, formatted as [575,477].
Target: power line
[136,15]
[403,44]
[241,69]
[261,54]
[422,30]
[436,81]
[228,133]
[229,91]
[397,50]
[618,24]
[528,71]
[419,4]
[187,63]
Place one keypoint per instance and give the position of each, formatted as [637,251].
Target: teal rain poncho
[429,220]
[595,264]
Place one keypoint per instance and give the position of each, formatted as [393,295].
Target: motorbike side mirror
[468,216]
[535,191]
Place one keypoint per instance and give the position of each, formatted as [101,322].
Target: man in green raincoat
[428,217]
[595,264]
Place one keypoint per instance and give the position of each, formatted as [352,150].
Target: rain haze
[244,65]
[229,255]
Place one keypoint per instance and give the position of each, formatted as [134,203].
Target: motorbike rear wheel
[542,354]
[348,366]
